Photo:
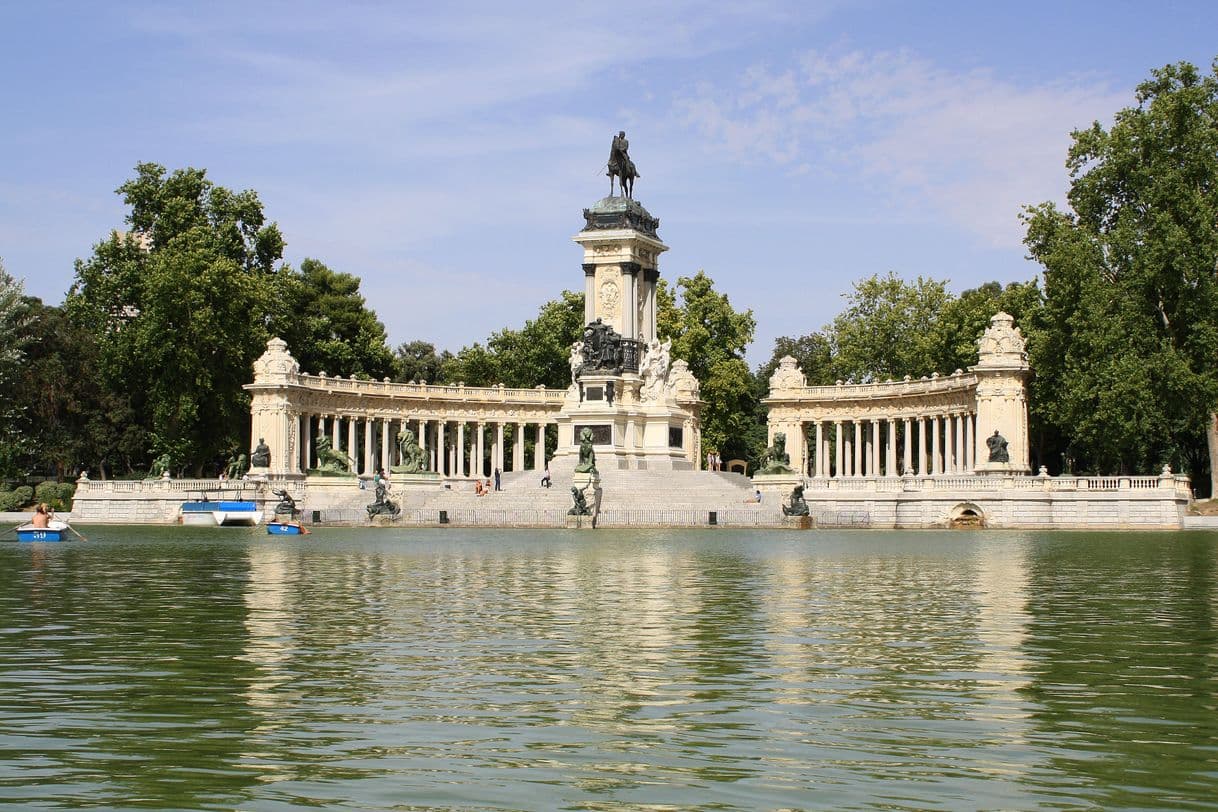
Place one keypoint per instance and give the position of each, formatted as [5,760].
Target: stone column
[499,455]
[441,463]
[960,465]
[589,293]
[970,463]
[856,438]
[820,449]
[336,429]
[839,449]
[386,463]
[890,458]
[518,448]
[479,449]
[949,465]
[369,431]
[539,449]
[875,448]
[936,466]
[352,448]
[422,441]
[459,468]
[306,442]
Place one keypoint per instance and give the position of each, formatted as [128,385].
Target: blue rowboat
[286,529]
[55,531]
[204,512]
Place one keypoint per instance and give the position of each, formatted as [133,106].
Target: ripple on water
[506,670]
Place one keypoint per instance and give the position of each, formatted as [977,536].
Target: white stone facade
[934,426]
[455,425]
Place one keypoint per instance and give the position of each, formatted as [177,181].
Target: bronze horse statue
[621,167]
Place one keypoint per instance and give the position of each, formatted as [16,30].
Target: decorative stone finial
[683,384]
[1002,344]
[788,375]
[276,364]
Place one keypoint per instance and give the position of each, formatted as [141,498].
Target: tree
[1129,331]
[709,334]
[883,332]
[813,352]
[327,324]
[419,361]
[13,318]
[536,354]
[180,308]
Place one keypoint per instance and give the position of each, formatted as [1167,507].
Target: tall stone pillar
[459,467]
[422,441]
[890,456]
[306,442]
[970,457]
[499,455]
[875,448]
[820,448]
[856,437]
[441,465]
[620,241]
[539,448]
[936,455]
[907,457]
[518,447]
[838,450]
[1002,409]
[477,468]
[386,462]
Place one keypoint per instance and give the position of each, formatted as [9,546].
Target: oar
[73,529]
[13,529]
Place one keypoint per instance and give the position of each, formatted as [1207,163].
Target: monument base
[423,480]
[777,486]
[797,522]
[1001,469]
[580,523]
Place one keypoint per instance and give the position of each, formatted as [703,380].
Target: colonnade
[922,445]
[452,447]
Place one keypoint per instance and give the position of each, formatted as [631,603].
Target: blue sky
[443,152]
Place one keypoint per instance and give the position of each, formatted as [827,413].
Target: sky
[444,152]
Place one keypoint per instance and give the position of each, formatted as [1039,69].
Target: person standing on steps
[498,482]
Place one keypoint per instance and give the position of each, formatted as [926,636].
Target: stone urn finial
[788,375]
[1002,344]
[276,364]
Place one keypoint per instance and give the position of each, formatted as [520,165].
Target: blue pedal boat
[204,512]
[286,529]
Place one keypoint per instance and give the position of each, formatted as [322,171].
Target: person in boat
[42,517]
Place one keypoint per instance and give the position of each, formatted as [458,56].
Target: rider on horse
[620,165]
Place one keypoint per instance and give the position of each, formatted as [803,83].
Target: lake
[461,669]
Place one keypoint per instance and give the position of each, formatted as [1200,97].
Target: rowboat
[286,529]
[54,531]
[206,513]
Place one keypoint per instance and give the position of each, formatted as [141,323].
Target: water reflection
[696,670]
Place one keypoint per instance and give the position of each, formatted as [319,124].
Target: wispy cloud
[966,145]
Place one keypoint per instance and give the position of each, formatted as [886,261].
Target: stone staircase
[627,498]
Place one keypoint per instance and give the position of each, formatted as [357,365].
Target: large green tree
[418,361]
[536,354]
[180,306]
[13,337]
[1129,333]
[883,332]
[711,336]
[327,324]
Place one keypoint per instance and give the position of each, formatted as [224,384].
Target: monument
[640,407]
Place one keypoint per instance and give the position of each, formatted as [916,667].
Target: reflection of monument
[641,407]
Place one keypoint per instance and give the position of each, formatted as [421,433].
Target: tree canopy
[327,324]
[180,307]
[711,336]
[1126,346]
[536,354]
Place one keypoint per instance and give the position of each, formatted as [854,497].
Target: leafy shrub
[56,494]
[16,499]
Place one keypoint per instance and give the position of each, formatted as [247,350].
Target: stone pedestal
[422,480]
[797,522]
[776,488]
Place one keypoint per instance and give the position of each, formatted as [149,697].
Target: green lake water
[454,669]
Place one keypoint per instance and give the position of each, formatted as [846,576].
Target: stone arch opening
[966,516]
